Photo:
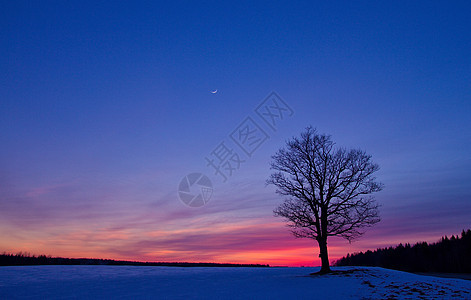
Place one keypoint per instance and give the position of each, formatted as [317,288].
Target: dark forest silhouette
[449,255]
[24,259]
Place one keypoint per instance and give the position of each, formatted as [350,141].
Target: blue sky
[104,107]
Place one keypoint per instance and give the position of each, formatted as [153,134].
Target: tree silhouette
[326,189]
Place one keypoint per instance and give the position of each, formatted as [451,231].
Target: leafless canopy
[328,189]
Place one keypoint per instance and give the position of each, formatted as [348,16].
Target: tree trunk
[324,256]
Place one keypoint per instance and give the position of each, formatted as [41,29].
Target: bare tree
[327,189]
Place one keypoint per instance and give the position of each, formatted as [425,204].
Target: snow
[131,282]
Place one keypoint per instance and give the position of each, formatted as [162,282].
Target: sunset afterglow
[106,108]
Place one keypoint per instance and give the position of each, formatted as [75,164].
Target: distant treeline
[22,259]
[449,255]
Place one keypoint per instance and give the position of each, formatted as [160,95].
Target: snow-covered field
[133,282]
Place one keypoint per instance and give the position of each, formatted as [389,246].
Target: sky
[106,107]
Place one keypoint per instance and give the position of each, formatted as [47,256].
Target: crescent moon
[214,92]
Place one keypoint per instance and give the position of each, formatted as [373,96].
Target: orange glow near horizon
[119,246]
[301,253]
[187,236]
[289,257]
[245,240]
